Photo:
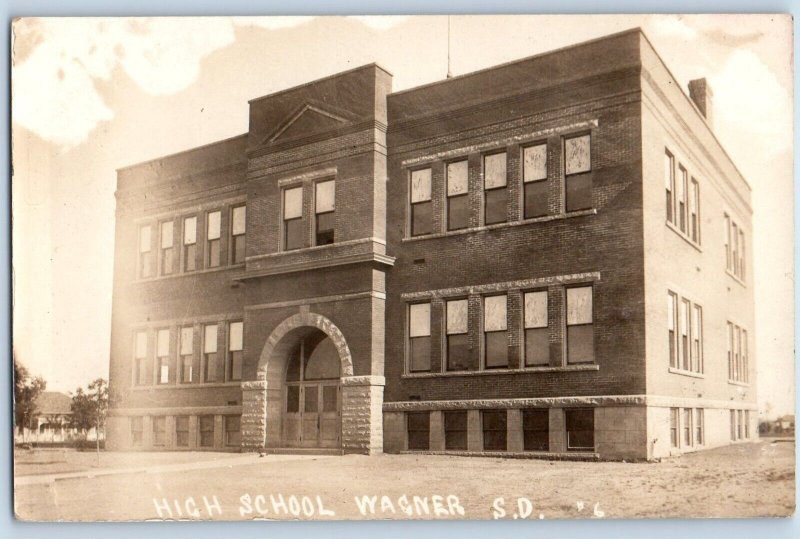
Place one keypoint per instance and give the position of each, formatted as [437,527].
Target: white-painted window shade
[210,339]
[144,239]
[187,341]
[457,316]
[235,338]
[163,343]
[578,154]
[214,225]
[494,313]
[239,220]
[579,305]
[494,170]
[141,345]
[419,320]
[536,309]
[457,183]
[684,322]
[293,203]
[534,163]
[166,234]
[325,196]
[420,185]
[190,231]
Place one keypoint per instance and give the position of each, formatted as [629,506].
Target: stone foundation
[362,414]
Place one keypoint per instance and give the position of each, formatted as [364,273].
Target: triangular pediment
[307,120]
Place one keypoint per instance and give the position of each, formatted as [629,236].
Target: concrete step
[302,451]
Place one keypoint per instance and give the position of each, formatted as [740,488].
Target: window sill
[682,372]
[735,278]
[490,372]
[740,384]
[199,385]
[683,236]
[545,219]
[188,273]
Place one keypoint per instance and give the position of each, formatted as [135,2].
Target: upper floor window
[457,195]
[213,222]
[162,355]
[738,361]
[537,341]
[325,212]
[166,254]
[293,218]
[495,332]
[694,211]
[669,178]
[140,358]
[421,205]
[145,251]
[238,233]
[419,337]
[188,373]
[457,330]
[672,327]
[577,172]
[735,261]
[685,328]
[210,353]
[235,347]
[495,188]
[683,179]
[534,178]
[580,328]
[190,244]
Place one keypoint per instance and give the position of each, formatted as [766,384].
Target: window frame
[161,420]
[537,182]
[236,238]
[449,198]
[317,214]
[486,191]
[285,222]
[140,362]
[179,431]
[501,412]
[160,359]
[567,325]
[410,339]
[670,186]
[485,334]
[210,242]
[586,173]
[182,357]
[186,256]
[524,332]
[205,355]
[447,334]
[226,431]
[409,430]
[145,257]
[581,449]
[413,205]
[166,255]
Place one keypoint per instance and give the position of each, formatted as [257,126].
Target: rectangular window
[325,212]
[233,435]
[455,430]
[145,252]
[159,430]
[580,429]
[674,420]
[733,425]
[137,431]
[534,178]
[190,244]
[293,218]
[494,423]
[293,399]
[140,356]
[536,429]
[537,338]
[495,187]
[421,205]
[419,337]
[684,335]
[580,329]
[734,248]
[739,425]
[238,234]
[458,352]
[669,178]
[699,426]
[457,195]
[747,424]
[578,172]
[419,430]
[728,260]
[162,355]
[213,234]
[235,347]
[187,355]
[697,338]
[694,211]
[206,430]
[741,255]
[745,362]
[737,347]
[683,180]
[672,322]
[687,427]
[182,431]
[730,351]
[495,332]
[166,251]
[210,353]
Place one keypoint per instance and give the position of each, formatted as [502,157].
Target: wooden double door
[312,395]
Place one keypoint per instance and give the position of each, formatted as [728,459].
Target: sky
[94,95]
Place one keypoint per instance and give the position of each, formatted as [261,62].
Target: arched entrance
[311,411]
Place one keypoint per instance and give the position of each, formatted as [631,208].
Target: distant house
[786,422]
[52,420]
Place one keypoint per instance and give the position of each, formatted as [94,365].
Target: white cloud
[54,94]
[380,22]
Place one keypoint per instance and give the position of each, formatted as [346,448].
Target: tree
[89,409]
[26,390]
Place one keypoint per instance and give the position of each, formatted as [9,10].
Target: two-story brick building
[550,257]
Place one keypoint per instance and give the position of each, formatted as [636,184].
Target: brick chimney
[703,98]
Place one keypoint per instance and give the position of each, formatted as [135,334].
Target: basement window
[419,430]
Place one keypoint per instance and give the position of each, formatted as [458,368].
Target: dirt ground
[744,480]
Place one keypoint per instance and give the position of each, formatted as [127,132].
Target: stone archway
[262,399]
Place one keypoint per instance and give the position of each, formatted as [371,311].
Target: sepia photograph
[423,267]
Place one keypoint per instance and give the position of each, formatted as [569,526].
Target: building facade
[550,257]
